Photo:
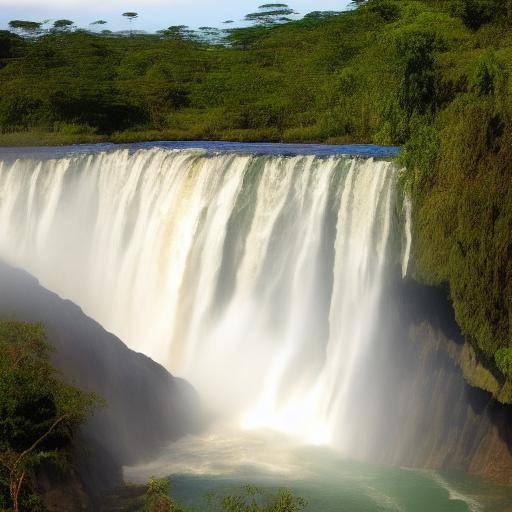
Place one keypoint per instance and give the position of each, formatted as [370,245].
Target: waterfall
[258,278]
[407,209]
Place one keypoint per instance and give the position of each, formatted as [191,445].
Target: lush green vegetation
[157,498]
[39,414]
[431,75]
[324,78]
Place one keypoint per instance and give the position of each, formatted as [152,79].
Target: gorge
[274,278]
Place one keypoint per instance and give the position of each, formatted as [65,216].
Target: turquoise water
[223,463]
[353,487]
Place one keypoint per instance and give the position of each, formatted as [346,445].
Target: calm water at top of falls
[254,148]
[257,272]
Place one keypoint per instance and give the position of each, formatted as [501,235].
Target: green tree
[10,45]
[475,13]
[130,15]
[178,32]
[270,14]
[416,85]
[255,499]
[63,24]
[503,358]
[96,25]
[39,413]
[157,498]
[24,27]
[387,9]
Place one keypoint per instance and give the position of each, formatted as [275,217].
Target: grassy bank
[42,138]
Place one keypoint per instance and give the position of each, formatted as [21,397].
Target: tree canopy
[39,412]
[63,24]
[270,14]
[25,27]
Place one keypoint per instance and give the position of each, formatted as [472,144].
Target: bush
[386,9]
[39,413]
[503,358]
[475,13]
[157,498]
[254,499]
[249,499]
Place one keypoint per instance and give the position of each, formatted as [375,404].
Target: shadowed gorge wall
[145,406]
[430,416]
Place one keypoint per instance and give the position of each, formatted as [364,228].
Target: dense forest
[431,76]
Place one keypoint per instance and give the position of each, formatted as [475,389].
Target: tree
[249,499]
[157,498]
[24,27]
[211,35]
[270,14]
[475,13]
[10,44]
[178,32]
[320,15]
[388,10]
[98,23]
[354,4]
[254,499]
[39,413]
[63,24]
[130,16]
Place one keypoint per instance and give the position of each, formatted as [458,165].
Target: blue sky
[153,14]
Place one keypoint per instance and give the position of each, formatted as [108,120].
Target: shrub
[386,9]
[503,358]
[157,498]
[39,413]
[475,13]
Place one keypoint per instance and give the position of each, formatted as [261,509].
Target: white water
[407,208]
[257,278]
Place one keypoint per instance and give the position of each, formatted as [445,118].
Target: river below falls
[224,459]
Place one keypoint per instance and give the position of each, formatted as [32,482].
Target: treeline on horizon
[430,75]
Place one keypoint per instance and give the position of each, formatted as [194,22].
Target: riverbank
[48,138]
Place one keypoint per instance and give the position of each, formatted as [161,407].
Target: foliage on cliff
[325,77]
[459,162]
[432,75]
[39,413]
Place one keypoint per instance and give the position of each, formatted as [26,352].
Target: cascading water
[258,278]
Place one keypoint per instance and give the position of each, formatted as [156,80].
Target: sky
[153,14]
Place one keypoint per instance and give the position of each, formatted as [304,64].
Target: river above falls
[212,147]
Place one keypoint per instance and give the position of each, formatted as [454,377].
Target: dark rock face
[430,416]
[146,407]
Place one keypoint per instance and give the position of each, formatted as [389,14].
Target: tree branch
[39,441]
